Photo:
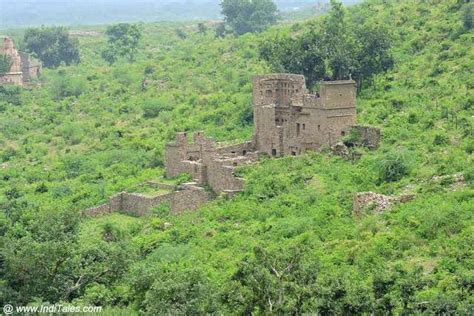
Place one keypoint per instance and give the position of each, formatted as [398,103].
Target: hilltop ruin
[289,120]
[23,68]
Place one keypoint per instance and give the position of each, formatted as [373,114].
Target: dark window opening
[244,152]
[293,153]
[343,133]
[297,129]
[274,152]
[304,126]
[319,128]
[234,163]
[232,152]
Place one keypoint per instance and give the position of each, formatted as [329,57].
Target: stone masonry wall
[369,136]
[188,197]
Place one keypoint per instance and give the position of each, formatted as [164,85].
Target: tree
[337,49]
[52,45]
[467,17]
[338,43]
[123,40]
[373,53]
[274,281]
[185,291]
[5,63]
[300,55]
[202,28]
[244,16]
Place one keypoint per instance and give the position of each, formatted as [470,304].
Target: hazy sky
[23,13]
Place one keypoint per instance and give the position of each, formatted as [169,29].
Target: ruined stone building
[288,121]
[23,69]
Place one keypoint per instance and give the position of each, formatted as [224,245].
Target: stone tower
[14,76]
[23,68]
[290,120]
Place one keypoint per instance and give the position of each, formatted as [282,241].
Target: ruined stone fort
[289,120]
[23,68]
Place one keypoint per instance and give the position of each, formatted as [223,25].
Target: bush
[10,94]
[467,17]
[393,167]
[152,108]
[5,63]
[440,139]
[64,87]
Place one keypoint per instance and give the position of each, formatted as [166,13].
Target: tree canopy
[244,16]
[123,40]
[337,47]
[52,46]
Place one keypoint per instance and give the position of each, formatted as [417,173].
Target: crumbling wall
[189,198]
[30,67]
[240,149]
[131,203]
[184,157]
[141,205]
[366,136]
[221,172]
[99,210]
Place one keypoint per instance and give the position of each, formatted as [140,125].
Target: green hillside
[290,242]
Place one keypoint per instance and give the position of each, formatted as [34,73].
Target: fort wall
[288,121]
[187,198]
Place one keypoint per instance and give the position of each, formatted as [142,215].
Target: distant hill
[22,13]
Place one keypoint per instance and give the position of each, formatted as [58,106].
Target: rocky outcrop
[371,202]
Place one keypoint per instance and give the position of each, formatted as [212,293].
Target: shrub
[5,63]
[412,118]
[64,87]
[393,167]
[10,94]
[467,17]
[153,108]
[440,139]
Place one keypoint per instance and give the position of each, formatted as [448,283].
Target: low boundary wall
[187,197]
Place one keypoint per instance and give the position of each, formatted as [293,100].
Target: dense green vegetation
[289,243]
